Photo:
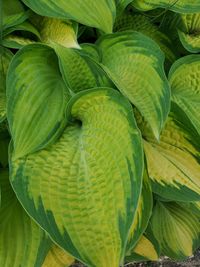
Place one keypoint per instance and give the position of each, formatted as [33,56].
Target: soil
[193,261]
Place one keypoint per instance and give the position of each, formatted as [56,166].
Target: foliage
[99,131]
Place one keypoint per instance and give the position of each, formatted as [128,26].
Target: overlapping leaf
[184,78]
[135,64]
[22,242]
[145,250]
[36,97]
[94,13]
[176,229]
[189,32]
[79,71]
[143,24]
[181,6]
[173,163]
[13,13]
[142,214]
[5,57]
[84,189]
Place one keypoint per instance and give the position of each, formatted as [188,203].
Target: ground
[193,261]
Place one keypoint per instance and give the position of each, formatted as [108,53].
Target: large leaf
[189,32]
[5,58]
[135,64]
[22,242]
[184,78]
[94,13]
[142,214]
[173,163]
[79,71]
[180,6]
[84,189]
[176,229]
[143,24]
[36,97]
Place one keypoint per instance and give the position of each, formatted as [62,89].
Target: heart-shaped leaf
[184,78]
[36,97]
[84,189]
[94,13]
[135,64]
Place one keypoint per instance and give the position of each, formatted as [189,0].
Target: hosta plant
[99,132]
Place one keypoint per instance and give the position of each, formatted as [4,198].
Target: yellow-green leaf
[180,6]
[176,228]
[189,31]
[145,250]
[94,13]
[143,24]
[135,64]
[84,189]
[173,163]
[142,214]
[57,257]
[56,31]
[184,78]
[22,242]
[79,71]
[36,98]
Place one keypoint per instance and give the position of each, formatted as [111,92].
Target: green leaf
[145,250]
[189,32]
[79,71]
[94,13]
[135,64]
[56,31]
[5,58]
[22,242]
[180,6]
[173,163]
[142,214]
[57,257]
[13,13]
[36,97]
[121,5]
[16,42]
[176,229]
[24,27]
[184,78]
[84,189]
[143,24]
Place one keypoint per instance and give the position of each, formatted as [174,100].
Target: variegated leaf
[135,64]
[184,78]
[176,228]
[84,189]
[180,6]
[94,13]
[173,163]
[142,214]
[35,88]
